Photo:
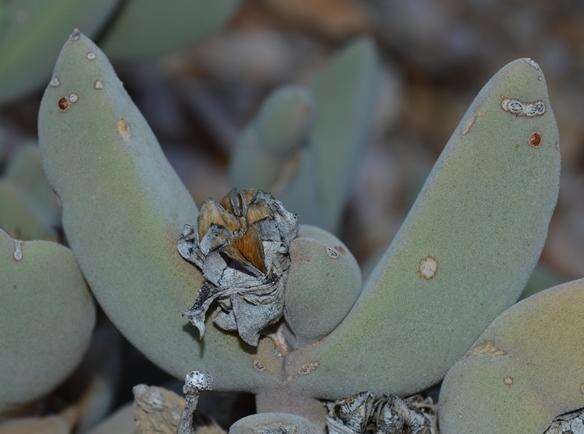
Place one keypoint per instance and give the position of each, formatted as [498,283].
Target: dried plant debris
[241,247]
[387,414]
[158,410]
[195,383]
[569,423]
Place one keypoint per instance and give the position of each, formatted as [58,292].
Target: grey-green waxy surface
[34,34]
[543,277]
[25,171]
[251,165]
[124,208]
[526,368]
[273,423]
[19,218]
[46,317]
[272,152]
[299,193]
[344,98]
[323,283]
[267,145]
[462,256]
[305,142]
[150,28]
[28,208]
[284,119]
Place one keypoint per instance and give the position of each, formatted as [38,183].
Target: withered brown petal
[251,248]
[235,255]
[258,211]
[231,222]
[209,214]
[212,213]
[231,201]
[248,195]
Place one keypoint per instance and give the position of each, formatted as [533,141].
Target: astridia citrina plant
[276,307]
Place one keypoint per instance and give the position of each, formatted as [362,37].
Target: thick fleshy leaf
[463,254]
[34,33]
[46,318]
[150,28]
[124,208]
[344,94]
[526,368]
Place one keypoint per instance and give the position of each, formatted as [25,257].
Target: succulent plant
[46,317]
[462,256]
[28,208]
[166,26]
[305,142]
[32,32]
[273,422]
[524,370]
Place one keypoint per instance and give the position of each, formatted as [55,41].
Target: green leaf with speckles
[463,254]
[124,208]
[526,369]
[304,144]
[46,318]
[34,33]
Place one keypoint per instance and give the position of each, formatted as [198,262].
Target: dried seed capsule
[241,246]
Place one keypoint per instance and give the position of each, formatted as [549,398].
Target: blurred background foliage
[435,56]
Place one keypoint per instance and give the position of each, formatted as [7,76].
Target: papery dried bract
[387,414]
[241,247]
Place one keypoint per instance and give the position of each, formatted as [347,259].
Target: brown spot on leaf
[124,129]
[535,140]
[63,104]
[487,347]
[308,368]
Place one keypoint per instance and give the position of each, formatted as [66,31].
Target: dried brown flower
[241,247]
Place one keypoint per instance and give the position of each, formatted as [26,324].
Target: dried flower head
[241,247]
[366,412]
